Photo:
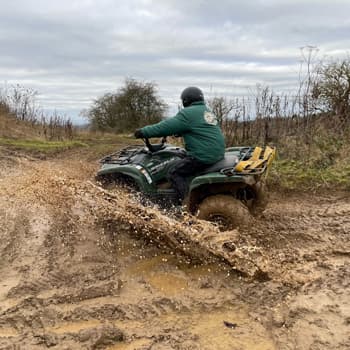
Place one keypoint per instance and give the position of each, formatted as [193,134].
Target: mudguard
[138,173]
[216,178]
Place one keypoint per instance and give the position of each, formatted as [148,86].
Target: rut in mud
[83,268]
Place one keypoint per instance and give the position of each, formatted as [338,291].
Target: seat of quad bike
[229,161]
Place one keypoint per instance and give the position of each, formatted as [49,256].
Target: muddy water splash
[197,239]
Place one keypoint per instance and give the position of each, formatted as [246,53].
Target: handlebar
[156,147]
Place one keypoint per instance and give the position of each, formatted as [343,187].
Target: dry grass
[11,127]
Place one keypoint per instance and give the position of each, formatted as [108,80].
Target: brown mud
[83,268]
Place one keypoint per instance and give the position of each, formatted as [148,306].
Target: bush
[132,106]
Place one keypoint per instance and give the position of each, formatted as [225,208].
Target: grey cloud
[73,51]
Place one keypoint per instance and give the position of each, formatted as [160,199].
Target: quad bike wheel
[225,210]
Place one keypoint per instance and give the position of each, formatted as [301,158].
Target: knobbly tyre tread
[235,213]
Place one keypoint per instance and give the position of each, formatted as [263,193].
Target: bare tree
[221,107]
[22,102]
[332,88]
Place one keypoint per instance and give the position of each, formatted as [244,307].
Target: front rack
[121,157]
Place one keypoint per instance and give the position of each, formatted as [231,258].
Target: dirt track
[85,269]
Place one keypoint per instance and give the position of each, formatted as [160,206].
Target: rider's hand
[138,134]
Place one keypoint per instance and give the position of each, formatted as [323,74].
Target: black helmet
[190,95]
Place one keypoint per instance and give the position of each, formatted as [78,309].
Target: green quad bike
[226,192]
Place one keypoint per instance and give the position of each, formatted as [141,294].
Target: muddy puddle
[212,322]
[82,268]
[183,315]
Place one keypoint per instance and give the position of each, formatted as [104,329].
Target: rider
[204,141]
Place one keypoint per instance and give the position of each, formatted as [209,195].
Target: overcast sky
[73,51]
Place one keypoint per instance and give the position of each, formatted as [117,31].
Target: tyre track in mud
[84,268]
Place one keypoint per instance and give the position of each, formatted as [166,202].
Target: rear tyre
[224,210]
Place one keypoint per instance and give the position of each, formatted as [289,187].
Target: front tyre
[225,210]
[114,181]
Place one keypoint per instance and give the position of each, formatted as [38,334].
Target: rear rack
[259,162]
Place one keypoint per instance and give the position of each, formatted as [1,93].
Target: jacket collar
[196,103]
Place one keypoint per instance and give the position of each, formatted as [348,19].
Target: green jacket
[199,128]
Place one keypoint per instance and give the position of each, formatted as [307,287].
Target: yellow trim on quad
[258,162]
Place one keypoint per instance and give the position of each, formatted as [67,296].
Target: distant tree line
[134,105]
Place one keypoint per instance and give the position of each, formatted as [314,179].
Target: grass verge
[294,175]
[41,146]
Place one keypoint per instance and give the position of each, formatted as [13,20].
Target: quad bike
[227,192]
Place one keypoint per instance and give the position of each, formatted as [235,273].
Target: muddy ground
[82,268]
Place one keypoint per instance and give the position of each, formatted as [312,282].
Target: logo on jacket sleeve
[210,118]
